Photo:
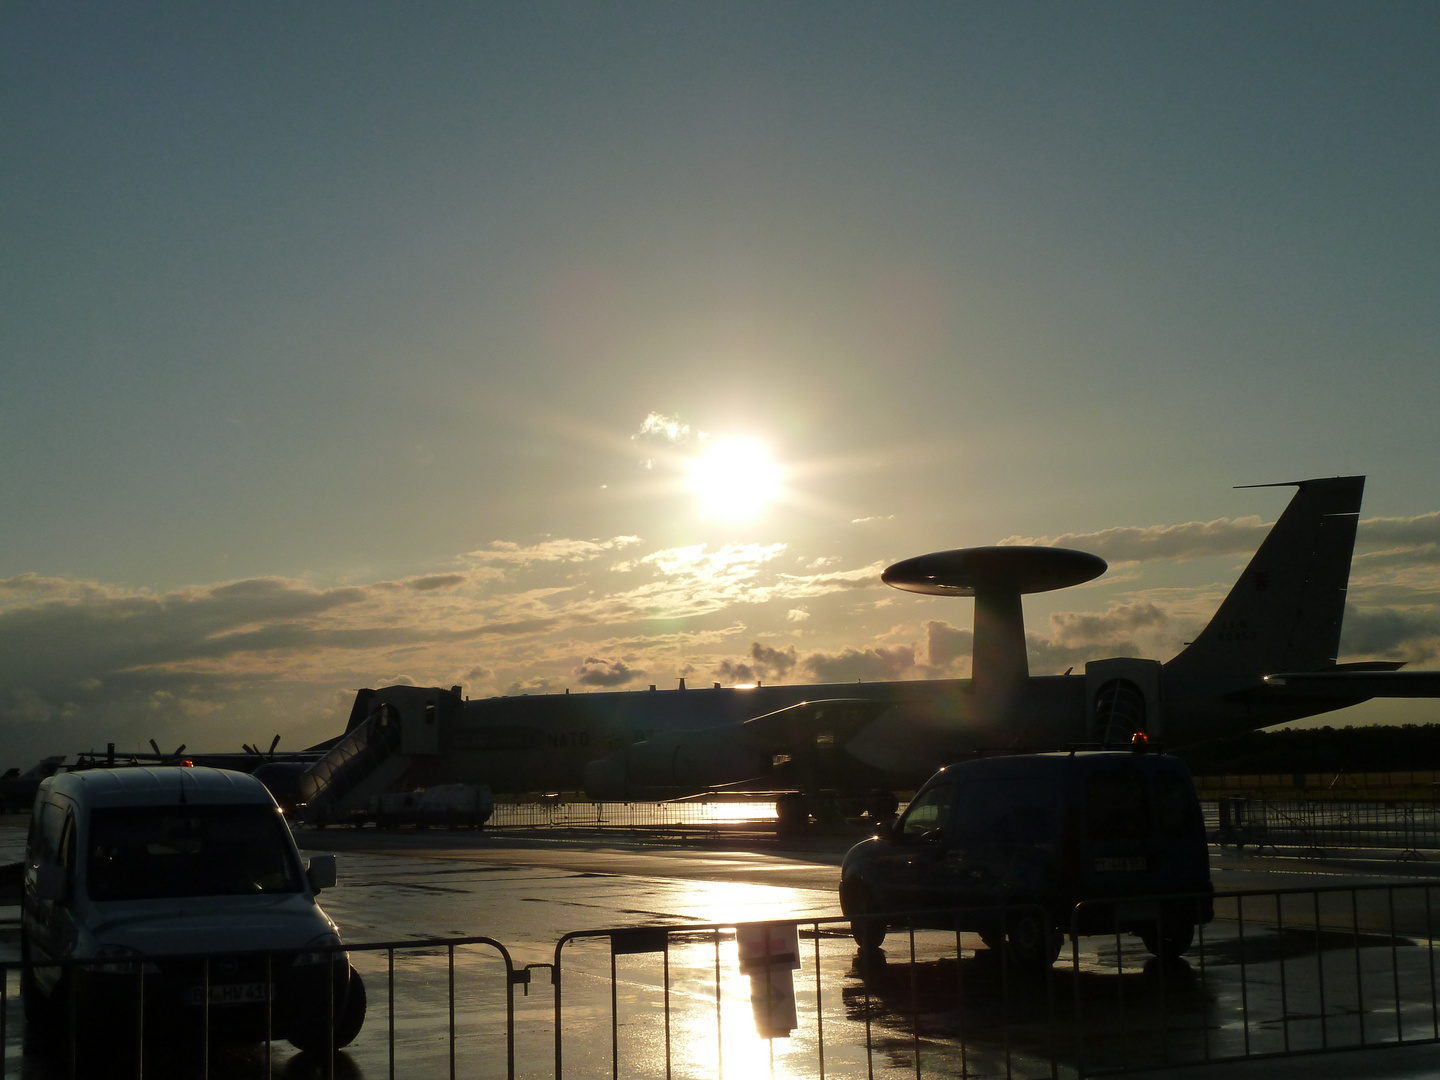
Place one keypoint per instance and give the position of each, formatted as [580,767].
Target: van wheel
[867,925]
[1176,939]
[1031,940]
[311,1038]
[353,1018]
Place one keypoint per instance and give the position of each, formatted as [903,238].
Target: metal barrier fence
[1276,973]
[431,1004]
[1320,826]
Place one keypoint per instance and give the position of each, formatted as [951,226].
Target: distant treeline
[1379,748]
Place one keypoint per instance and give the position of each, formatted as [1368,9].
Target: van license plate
[228,994]
[1105,863]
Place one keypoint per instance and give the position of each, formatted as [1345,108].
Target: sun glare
[734,480]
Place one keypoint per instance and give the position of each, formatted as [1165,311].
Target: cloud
[1114,625]
[1398,635]
[1422,531]
[694,581]
[738,673]
[797,615]
[435,581]
[872,664]
[664,432]
[1193,540]
[695,561]
[547,551]
[864,577]
[659,426]
[946,644]
[536,684]
[1397,551]
[596,671]
[765,664]
[1399,539]
[1135,628]
[82,662]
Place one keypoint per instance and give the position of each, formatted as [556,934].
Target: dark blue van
[1008,846]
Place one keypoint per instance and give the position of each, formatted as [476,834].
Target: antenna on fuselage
[996,577]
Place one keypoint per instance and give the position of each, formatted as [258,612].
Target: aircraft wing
[796,745]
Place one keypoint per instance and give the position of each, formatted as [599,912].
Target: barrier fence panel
[696,1001]
[433,1007]
[1276,973]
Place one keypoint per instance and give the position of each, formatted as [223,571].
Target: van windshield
[155,852]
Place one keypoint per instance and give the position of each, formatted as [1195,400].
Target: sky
[346,344]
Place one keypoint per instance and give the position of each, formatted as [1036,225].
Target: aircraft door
[1122,698]
[427,715]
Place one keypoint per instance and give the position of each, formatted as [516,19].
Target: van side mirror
[321,872]
[51,883]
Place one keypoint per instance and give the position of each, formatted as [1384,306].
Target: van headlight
[319,950]
[122,960]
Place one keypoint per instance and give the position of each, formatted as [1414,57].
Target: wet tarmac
[973,1015]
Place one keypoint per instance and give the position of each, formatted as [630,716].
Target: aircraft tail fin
[1284,613]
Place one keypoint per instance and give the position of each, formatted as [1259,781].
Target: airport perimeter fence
[1321,827]
[1312,827]
[689,814]
[1277,973]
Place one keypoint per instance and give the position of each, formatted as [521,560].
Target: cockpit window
[156,852]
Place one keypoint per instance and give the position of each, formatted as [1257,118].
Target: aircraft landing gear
[792,813]
[881,806]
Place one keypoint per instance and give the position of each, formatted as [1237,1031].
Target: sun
[734,480]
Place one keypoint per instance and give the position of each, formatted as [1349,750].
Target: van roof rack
[1140,743]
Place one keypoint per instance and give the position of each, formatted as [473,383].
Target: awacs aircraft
[1267,656]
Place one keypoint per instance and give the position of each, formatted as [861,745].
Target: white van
[177,895]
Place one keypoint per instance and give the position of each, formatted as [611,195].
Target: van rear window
[1176,796]
[157,852]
